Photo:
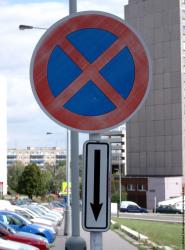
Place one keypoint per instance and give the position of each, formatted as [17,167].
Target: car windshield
[45,208]
[36,210]
[31,212]
[25,221]
[41,210]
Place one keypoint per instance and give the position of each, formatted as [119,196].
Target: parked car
[57,206]
[19,223]
[134,209]
[12,245]
[7,235]
[36,212]
[41,212]
[33,217]
[6,205]
[50,211]
[29,235]
[167,209]
[125,204]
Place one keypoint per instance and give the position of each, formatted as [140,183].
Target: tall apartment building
[117,140]
[37,155]
[155,135]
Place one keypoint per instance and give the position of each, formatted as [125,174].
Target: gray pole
[67,221]
[96,239]
[75,186]
[75,242]
[119,183]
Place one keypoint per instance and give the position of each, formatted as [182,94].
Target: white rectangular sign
[96,186]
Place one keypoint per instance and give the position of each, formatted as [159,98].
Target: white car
[48,210]
[6,205]
[125,204]
[33,217]
[13,245]
[42,214]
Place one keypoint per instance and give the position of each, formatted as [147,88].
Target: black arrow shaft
[97,158]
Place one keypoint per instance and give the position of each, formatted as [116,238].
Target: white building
[3,135]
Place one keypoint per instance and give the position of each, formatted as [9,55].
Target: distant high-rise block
[155,134]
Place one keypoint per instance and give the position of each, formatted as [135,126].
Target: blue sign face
[118,72]
[90,72]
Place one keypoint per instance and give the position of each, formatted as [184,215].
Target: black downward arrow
[96,205]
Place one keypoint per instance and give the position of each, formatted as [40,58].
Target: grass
[164,234]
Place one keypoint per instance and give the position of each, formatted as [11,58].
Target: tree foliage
[14,173]
[115,191]
[57,176]
[30,181]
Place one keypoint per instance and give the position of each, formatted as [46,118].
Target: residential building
[155,134]
[37,155]
[117,140]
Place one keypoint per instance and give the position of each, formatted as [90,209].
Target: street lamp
[28,27]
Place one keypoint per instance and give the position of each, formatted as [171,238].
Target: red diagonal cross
[90,72]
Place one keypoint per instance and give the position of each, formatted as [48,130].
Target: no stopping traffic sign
[90,71]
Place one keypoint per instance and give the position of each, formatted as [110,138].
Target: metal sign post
[96,186]
[96,190]
[75,242]
[1,189]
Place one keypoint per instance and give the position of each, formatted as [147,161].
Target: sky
[27,124]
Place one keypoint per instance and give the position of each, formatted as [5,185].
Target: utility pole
[75,242]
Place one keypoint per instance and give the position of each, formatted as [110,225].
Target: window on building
[183,61]
[141,187]
[183,30]
[183,45]
[131,187]
[183,14]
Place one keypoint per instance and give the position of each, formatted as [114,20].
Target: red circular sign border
[43,51]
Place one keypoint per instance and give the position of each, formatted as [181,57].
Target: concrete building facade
[155,134]
[117,140]
[37,155]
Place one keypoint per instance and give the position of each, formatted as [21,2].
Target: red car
[6,235]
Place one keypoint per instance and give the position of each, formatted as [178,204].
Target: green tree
[57,175]
[30,181]
[44,184]
[115,190]
[14,173]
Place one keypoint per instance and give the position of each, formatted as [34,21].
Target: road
[170,218]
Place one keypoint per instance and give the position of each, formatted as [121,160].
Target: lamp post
[28,27]
[120,178]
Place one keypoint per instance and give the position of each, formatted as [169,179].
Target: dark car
[134,209]
[167,209]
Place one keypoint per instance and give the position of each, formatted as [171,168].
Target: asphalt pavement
[111,241]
